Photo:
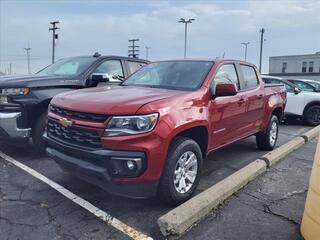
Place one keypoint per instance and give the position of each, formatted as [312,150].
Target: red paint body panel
[227,119]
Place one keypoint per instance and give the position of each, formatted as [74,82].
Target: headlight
[130,125]
[15,91]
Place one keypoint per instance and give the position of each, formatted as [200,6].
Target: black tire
[267,140]
[167,189]
[37,133]
[312,115]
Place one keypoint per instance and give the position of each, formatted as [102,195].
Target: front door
[226,112]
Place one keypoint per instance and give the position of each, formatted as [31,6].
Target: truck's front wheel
[182,171]
[37,133]
[267,140]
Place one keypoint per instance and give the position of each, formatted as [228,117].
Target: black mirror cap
[99,78]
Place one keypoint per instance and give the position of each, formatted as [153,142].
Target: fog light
[130,165]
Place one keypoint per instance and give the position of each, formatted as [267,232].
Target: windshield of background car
[69,66]
[179,75]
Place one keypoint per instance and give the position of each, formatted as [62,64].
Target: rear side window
[135,66]
[226,74]
[250,79]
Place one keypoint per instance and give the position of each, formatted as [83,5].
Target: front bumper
[97,167]
[9,127]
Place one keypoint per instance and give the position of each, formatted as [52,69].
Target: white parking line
[110,220]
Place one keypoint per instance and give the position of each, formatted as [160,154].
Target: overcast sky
[292,27]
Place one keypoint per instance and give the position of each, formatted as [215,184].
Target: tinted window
[135,66]
[111,67]
[304,86]
[288,87]
[181,75]
[250,79]
[69,66]
[226,74]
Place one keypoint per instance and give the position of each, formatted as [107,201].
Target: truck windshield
[179,75]
[68,66]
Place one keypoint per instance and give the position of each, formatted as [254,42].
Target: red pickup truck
[150,135]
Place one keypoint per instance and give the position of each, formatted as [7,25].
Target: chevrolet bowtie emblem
[65,122]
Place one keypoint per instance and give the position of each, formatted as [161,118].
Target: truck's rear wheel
[312,115]
[267,140]
[182,171]
[37,133]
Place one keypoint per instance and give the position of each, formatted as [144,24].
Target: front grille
[78,115]
[73,135]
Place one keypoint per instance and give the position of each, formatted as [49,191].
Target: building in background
[296,66]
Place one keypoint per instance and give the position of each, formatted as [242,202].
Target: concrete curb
[313,133]
[277,154]
[180,219]
[184,216]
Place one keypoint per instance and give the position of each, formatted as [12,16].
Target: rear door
[254,92]
[226,112]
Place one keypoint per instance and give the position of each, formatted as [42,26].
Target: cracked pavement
[270,207]
[29,209]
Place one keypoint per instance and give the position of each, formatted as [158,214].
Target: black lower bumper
[96,167]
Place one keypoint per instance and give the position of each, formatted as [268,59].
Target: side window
[289,88]
[250,79]
[226,74]
[304,86]
[135,66]
[111,67]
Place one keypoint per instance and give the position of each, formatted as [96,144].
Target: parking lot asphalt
[29,209]
[270,207]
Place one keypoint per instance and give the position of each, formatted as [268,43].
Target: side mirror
[296,90]
[100,77]
[225,89]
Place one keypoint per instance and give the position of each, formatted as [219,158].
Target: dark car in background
[24,99]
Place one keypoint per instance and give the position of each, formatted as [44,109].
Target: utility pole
[10,68]
[147,52]
[54,36]
[133,50]
[245,49]
[182,20]
[28,58]
[262,30]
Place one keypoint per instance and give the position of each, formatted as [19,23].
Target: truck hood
[37,80]
[111,100]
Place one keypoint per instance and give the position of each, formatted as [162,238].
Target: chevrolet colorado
[24,100]
[150,135]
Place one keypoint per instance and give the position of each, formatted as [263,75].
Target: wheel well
[199,135]
[278,112]
[310,105]
[39,109]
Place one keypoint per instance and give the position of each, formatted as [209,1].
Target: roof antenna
[96,54]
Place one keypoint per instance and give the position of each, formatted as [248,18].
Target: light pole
[147,52]
[28,58]
[261,48]
[182,20]
[245,49]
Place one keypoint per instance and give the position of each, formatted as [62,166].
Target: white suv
[305,104]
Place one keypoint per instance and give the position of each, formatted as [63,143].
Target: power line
[54,36]
[133,50]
